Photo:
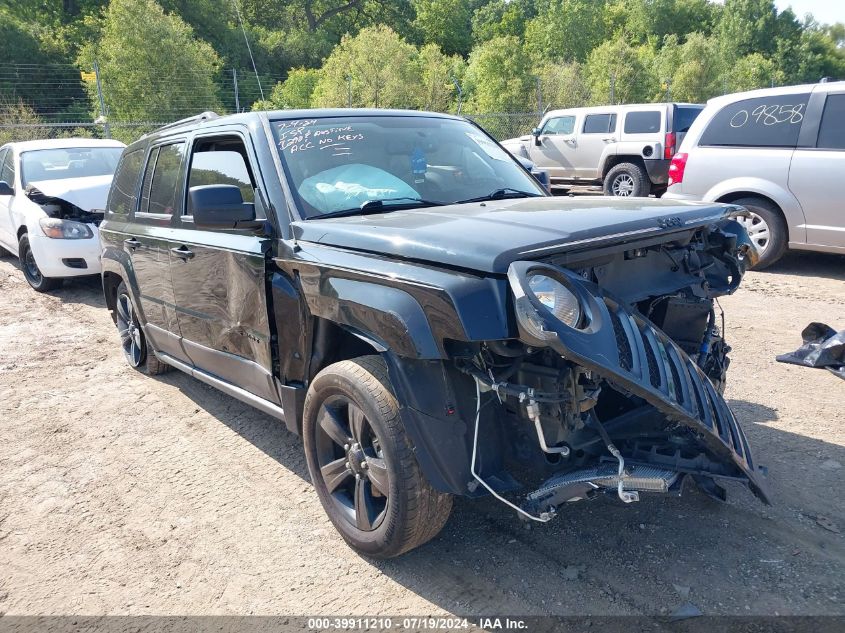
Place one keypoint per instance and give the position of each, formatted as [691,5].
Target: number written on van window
[771,121]
[773,114]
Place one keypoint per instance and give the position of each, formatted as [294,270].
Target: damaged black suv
[396,288]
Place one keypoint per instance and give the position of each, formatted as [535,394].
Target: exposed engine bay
[615,382]
[56,207]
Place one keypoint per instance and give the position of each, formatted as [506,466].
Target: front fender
[390,316]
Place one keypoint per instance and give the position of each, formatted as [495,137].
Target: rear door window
[124,189]
[832,127]
[642,122]
[599,123]
[560,125]
[162,179]
[772,121]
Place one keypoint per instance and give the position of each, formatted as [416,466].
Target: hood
[489,236]
[87,193]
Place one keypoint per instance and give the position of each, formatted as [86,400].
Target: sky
[825,11]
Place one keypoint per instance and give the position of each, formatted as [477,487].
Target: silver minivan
[778,152]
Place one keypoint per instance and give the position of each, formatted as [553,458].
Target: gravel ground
[126,494]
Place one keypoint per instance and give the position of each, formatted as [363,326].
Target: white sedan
[52,196]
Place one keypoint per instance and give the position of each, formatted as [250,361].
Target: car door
[598,130]
[219,277]
[148,243]
[7,231]
[816,173]
[556,149]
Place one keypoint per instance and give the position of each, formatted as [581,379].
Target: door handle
[182,252]
[132,243]
[608,139]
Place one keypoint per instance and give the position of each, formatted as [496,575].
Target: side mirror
[536,134]
[6,189]
[221,207]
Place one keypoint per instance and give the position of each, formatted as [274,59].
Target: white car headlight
[557,298]
[65,229]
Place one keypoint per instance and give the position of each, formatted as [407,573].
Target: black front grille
[654,360]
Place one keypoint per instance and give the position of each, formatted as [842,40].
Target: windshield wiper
[379,206]
[501,194]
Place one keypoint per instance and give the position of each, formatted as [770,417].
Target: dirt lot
[125,494]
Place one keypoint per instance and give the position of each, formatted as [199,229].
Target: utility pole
[237,97]
[460,93]
[348,91]
[102,118]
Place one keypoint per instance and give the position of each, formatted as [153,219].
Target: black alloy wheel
[129,329]
[352,463]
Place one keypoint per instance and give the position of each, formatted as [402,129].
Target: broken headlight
[65,229]
[557,298]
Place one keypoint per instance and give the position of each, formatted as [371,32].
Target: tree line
[159,59]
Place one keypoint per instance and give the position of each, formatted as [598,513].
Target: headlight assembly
[557,298]
[65,229]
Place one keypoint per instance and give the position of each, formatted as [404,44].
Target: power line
[248,48]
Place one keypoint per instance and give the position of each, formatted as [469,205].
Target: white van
[779,152]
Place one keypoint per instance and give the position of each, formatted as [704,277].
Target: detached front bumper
[637,358]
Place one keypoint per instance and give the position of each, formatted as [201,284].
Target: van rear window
[772,121]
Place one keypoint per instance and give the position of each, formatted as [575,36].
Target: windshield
[342,163]
[68,162]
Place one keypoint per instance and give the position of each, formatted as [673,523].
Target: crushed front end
[614,383]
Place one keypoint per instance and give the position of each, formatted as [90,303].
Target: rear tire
[362,463]
[627,180]
[30,269]
[767,229]
[136,347]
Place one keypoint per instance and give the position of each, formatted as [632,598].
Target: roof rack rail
[208,115]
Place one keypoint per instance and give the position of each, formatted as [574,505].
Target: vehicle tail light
[676,168]
[669,145]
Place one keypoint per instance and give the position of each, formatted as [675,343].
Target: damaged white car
[52,196]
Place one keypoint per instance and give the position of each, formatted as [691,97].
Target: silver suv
[625,148]
[778,152]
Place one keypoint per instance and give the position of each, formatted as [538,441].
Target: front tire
[362,463]
[136,347]
[766,229]
[31,272]
[627,180]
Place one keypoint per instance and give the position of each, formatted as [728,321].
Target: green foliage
[752,71]
[376,68]
[437,72]
[498,77]
[296,91]
[144,82]
[618,69]
[690,71]
[566,29]
[446,23]
[164,59]
[501,18]
[562,85]
[17,112]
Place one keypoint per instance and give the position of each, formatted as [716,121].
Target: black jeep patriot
[401,292]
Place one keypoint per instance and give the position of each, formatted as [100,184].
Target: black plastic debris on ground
[823,347]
